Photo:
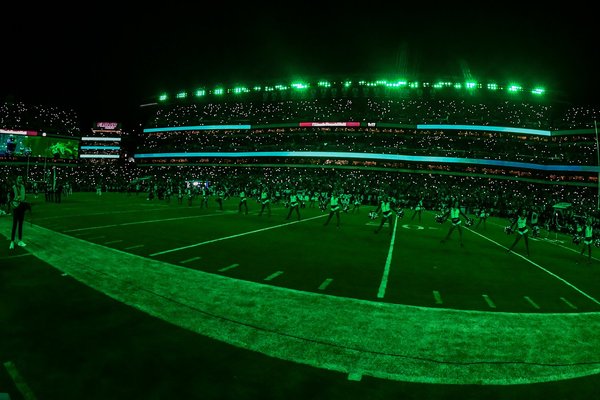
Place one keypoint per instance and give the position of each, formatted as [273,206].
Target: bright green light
[396,84]
[281,87]
[200,92]
[181,95]
[300,86]
[438,85]
[256,88]
[240,89]
[514,88]
[413,85]
[538,91]
[163,97]
[219,91]
[380,83]
[457,86]
[362,83]
[347,84]
[471,85]
[324,84]
[492,86]
[269,88]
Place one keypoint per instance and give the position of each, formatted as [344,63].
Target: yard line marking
[137,246]
[325,283]
[190,260]
[489,301]
[567,302]
[437,296]
[144,222]
[19,381]
[232,266]
[540,267]
[388,262]
[531,302]
[273,276]
[354,376]
[113,241]
[17,256]
[575,251]
[232,236]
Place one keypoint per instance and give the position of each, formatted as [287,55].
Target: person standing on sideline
[19,206]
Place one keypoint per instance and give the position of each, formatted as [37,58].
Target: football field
[115,296]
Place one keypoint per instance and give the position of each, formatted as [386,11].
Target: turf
[60,331]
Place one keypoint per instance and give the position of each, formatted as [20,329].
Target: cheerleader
[387,210]
[522,230]
[265,201]
[418,209]
[294,204]
[334,208]
[454,213]
[483,214]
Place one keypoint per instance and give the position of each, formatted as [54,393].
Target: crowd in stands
[533,115]
[42,118]
[572,149]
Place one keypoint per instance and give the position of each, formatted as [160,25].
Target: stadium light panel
[471,85]
[492,86]
[438,85]
[200,92]
[257,88]
[457,86]
[538,91]
[347,84]
[513,88]
[240,89]
[300,86]
[181,95]
[163,97]
[413,85]
[324,84]
[219,91]
[281,87]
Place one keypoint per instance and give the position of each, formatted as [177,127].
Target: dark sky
[105,62]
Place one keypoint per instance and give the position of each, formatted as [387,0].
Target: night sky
[105,62]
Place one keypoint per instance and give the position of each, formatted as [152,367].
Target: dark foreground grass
[71,342]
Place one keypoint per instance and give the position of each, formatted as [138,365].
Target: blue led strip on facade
[197,128]
[524,131]
[373,156]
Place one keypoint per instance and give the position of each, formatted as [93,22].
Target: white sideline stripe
[437,296]
[19,381]
[575,251]
[232,266]
[140,222]
[273,275]
[567,302]
[540,267]
[190,260]
[354,376]
[113,241]
[137,246]
[489,301]
[17,256]
[325,283]
[388,262]
[232,236]
[531,302]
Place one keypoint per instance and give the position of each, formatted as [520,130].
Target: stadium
[368,238]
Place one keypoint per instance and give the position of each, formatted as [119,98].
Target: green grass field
[120,297]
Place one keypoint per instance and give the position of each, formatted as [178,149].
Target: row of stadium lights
[511,88]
